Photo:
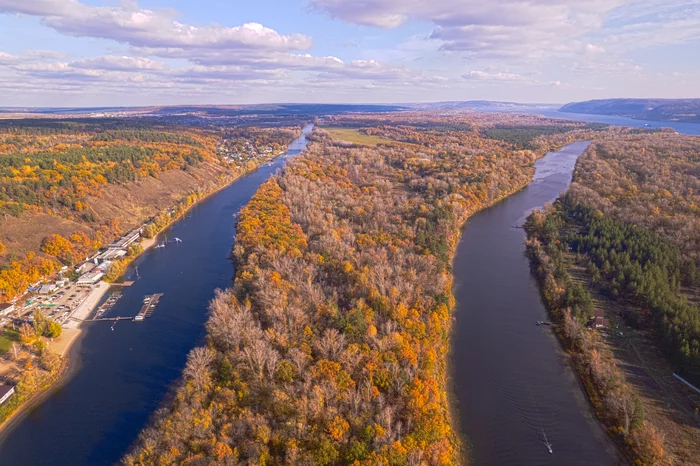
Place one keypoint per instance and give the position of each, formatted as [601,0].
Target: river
[680,127]
[512,384]
[124,374]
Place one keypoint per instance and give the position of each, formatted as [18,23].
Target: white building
[6,391]
[6,308]
[94,276]
[47,289]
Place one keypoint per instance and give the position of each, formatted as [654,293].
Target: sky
[71,53]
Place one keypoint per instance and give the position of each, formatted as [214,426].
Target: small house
[600,322]
[47,289]
[598,313]
[6,392]
[6,308]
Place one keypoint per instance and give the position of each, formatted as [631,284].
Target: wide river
[125,373]
[513,386]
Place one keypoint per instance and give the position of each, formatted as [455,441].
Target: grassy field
[6,339]
[354,136]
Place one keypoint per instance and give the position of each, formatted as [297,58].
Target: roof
[5,389]
[4,306]
[599,321]
[598,313]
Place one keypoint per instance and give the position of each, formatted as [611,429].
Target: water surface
[512,384]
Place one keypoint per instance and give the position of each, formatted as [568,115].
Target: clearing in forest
[354,136]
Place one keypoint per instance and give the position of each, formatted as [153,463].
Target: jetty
[150,302]
[110,319]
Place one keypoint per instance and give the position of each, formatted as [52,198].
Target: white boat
[547,444]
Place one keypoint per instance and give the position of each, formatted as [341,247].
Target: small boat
[547,444]
[178,240]
[543,322]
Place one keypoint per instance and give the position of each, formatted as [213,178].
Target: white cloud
[150,27]
[44,54]
[7,58]
[485,29]
[123,63]
[505,77]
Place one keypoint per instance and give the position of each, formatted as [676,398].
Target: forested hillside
[331,346]
[87,181]
[687,110]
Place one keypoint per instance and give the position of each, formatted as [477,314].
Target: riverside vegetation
[631,219]
[331,346]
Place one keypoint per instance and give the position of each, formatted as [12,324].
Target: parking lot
[59,305]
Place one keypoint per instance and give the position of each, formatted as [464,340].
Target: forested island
[619,253]
[331,346]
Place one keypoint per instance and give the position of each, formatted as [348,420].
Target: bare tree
[198,366]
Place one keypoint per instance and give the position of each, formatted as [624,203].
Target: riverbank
[66,345]
[651,417]
[69,367]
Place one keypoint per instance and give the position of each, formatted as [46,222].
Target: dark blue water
[512,385]
[124,374]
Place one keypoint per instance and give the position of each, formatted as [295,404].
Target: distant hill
[685,110]
[480,105]
[204,110]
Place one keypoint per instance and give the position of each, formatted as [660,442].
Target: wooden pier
[149,305]
[150,302]
[110,319]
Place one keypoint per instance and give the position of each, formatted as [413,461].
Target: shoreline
[75,322]
[70,368]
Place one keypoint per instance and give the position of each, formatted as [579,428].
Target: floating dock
[150,302]
[111,301]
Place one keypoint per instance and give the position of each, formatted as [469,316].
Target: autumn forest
[331,346]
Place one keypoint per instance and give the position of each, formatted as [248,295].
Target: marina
[150,302]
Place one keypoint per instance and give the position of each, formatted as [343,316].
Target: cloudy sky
[155,52]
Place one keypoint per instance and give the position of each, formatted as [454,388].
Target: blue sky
[158,52]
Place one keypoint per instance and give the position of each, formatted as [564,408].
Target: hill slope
[686,110]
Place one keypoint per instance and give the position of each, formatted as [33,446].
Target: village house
[6,308]
[47,289]
[94,276]
[6,391]
[127,240]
